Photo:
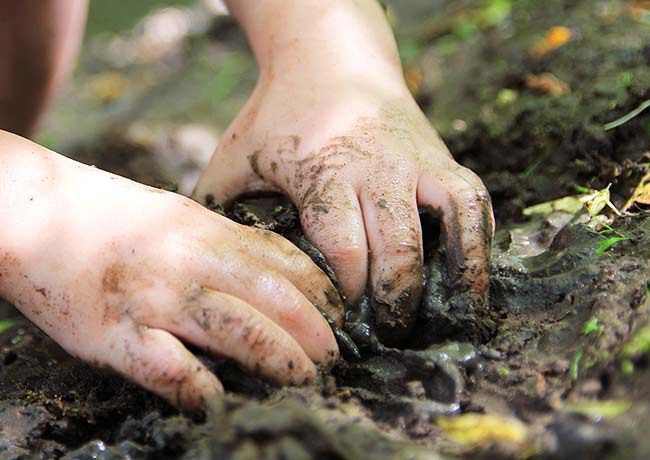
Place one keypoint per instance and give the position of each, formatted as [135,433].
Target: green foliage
[409,49]
[600,409]
[627,78]
[627,367]
[592,326]
[574,368]
[6,325]
[533,166]
[495,12]
[609,242]
[638,344]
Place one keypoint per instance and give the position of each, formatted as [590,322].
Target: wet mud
[566,328]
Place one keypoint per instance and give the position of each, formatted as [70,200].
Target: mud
[557,331]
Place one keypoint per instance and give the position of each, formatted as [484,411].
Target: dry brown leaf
[641,194]
[413,76]
[547,83]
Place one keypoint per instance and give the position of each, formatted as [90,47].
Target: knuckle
[344,255]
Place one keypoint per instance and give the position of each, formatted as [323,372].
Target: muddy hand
[119,274]
[335,128]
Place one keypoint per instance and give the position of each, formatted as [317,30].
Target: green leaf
[568,204]
[533,166]
[6,325]
[638,344]
[592,326]
[495,12]
[575,365]
[600,409]
[608,243]
[627,367]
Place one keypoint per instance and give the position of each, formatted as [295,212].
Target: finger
[228,326]
[156,360]
[281,255]
[468,225]
[275,297]
[229,173]
[394,235]
[332,220]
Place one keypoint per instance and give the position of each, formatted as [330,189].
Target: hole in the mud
[10,358]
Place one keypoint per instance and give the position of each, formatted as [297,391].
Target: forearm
[333,39]
[39,40]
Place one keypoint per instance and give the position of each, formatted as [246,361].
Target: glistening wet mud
[386,400]
[564,325]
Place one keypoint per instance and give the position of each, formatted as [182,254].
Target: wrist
[30,179]
[309,39]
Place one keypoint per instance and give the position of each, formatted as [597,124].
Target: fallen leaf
[547,83]
[640,10]
[600,409]
[641,194]
[568,204]
[598,202]
[554,38]
[483,428]
[413,77]
[594,201]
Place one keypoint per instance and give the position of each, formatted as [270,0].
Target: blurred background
[158,81]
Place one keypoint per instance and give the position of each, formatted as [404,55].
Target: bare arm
[332,124]
[39,41]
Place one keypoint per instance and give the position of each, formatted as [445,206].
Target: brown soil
[525,356]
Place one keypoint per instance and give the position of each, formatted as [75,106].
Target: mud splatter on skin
[317,180]
[212,204]
[113,286]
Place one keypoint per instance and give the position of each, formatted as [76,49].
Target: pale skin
[88,255]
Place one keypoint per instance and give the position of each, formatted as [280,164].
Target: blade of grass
[574,368]
[625,118]
[6,325]
[608,243]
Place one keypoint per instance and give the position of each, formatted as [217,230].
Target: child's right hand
[117,272]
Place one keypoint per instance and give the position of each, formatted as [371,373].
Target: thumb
[230,173]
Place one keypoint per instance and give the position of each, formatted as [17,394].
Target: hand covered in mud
[357,161]
[119,273]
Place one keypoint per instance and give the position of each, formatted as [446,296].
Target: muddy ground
[560,356]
